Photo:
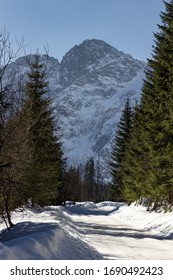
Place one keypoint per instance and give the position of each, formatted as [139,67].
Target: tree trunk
[8,215]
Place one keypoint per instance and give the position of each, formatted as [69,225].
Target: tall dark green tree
[43,171]
[89,180]
[99,183]
[135,164]
[73,184]
[118,151]
[153,155]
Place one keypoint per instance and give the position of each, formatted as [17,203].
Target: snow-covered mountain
[89,88]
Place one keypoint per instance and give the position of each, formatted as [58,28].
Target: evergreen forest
[142,153]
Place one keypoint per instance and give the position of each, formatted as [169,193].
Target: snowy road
[88,231]
[115,238]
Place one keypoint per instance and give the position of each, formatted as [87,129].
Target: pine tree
[153,155]
[118,151]
[89,180]
[43,171]
[73,184]
[135,166]
[99,183]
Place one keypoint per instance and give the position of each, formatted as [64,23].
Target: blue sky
[127,25]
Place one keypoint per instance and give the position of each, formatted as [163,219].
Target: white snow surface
[88,231]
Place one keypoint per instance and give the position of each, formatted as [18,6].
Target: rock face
[89,88]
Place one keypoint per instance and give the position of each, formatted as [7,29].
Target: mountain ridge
[89,88]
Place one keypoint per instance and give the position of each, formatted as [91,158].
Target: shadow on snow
[25,228]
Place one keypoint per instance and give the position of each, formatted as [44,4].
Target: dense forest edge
[142,153]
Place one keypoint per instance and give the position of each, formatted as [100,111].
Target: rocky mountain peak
[87,52]
[82,57]
[90,87]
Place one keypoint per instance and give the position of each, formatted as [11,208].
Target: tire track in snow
[112,237]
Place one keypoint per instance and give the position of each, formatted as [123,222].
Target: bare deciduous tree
[9,51]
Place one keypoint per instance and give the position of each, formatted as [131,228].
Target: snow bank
[139,216]
[6,253]
[110,203]
[58,232]
[119,231]
[134,214]
[42,240]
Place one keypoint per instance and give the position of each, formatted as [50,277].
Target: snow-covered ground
[88,231]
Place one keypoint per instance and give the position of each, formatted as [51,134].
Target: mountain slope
[96,79]
[89,88]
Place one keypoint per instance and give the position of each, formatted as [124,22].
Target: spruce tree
[89,180]
[99,183]
[43,171]
[153,155]
[118,151]
[134,167]
[73,184]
